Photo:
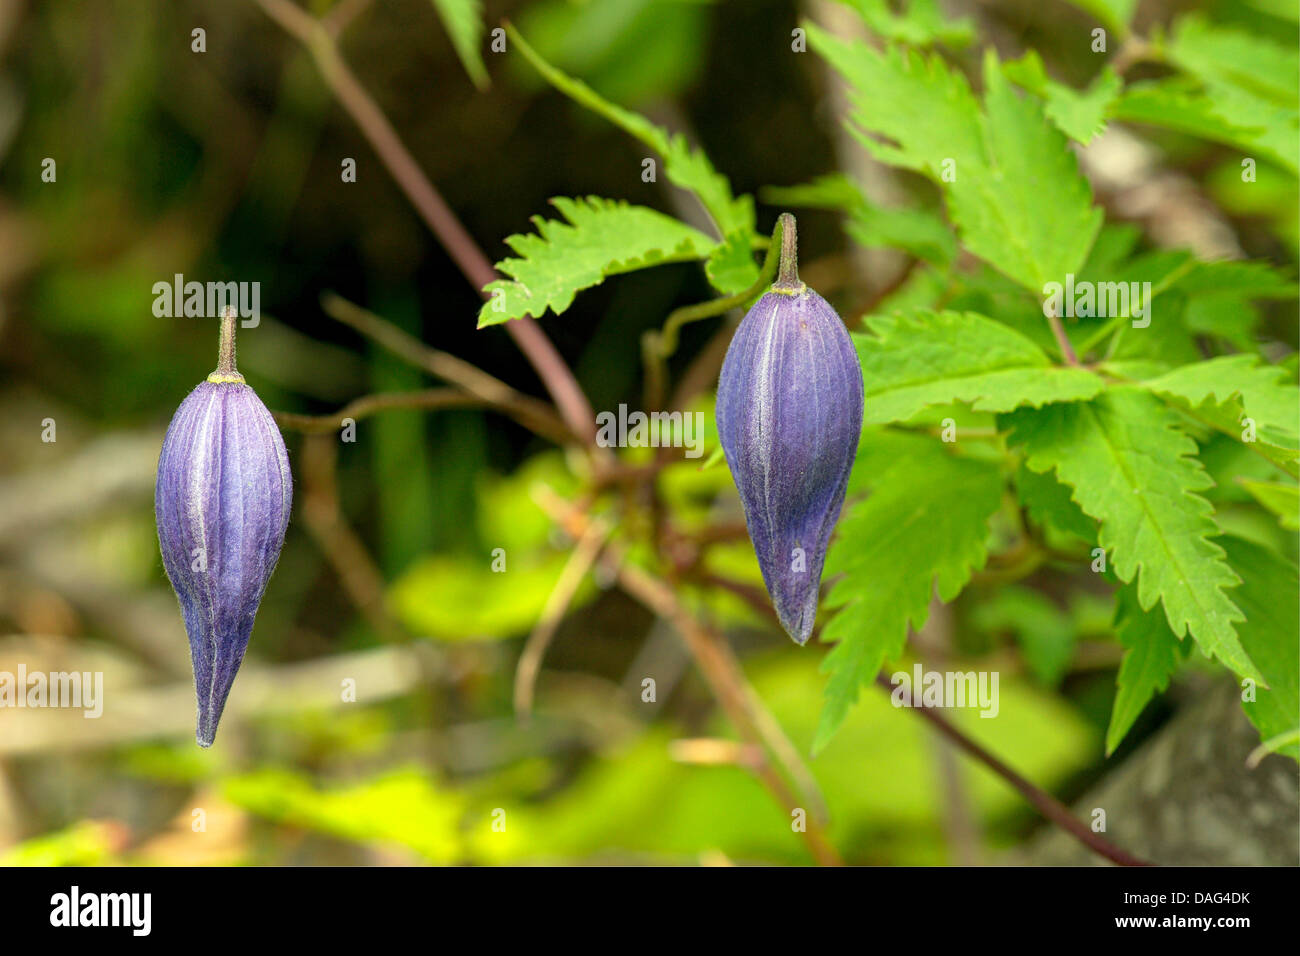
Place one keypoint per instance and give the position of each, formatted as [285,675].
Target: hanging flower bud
[789,415]
[222,505]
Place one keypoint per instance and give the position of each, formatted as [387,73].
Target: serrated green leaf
[731,267]
[1219,297]
[601,238]
[1251,62]
[936,358]
[1150,657]
[918,23]
[1080,115]
[684,167]
[890,89]
[1281,499]
[1178,103]
[1266,392]
[1229,417]
[1026,209]
[1224,315]
[1188,390]
[1049,504]
[1219,113]
[1014,190]
[1267,597]
[922,527]
[463,20]
[1133,470]
[1250,278]
[1278,125]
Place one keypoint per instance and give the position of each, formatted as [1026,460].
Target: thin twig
[342,548]
[557,603]
[1062,340]
[724,676]
[718,667]
[1043,802]
[370,404]
[529,412]
[960,822]
[1132,51]
[433,209]
[341,15]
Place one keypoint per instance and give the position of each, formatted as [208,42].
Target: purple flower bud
[789,415]
[222,505]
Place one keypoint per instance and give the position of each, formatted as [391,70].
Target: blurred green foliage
[225,165]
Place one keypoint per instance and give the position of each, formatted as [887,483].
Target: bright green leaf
[1150,657]
[1026,209]
[890,89]
[683,166]
[923,526]
[1049,504]
[1219,53]
[633,51]
[1044,631]
[918,23]
[1221,114]
[916,231]
[1133,470]
[1080,115]
[937,358]
[1281,499]
[731,267]
[1251,279]
[601,238]
[1267,394]
[1270,635]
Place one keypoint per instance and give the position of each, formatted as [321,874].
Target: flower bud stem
[787,277]
[226,370]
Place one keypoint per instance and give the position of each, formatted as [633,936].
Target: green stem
[658,346]
[787,278]
[667,337]
[1062,340]
[1092,341]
